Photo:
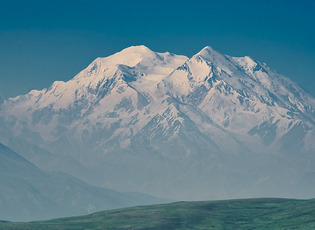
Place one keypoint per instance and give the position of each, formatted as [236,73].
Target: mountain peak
[130,56]
[246,62]
[208,50]
[141,49]
[209,54]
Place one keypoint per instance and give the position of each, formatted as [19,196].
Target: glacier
[207,127]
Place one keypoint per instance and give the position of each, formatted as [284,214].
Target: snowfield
[206,127]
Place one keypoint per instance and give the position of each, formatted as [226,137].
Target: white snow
[137,82]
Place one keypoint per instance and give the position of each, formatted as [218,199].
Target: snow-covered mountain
[205,127]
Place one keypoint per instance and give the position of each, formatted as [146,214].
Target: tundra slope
[206,127]
[228,214]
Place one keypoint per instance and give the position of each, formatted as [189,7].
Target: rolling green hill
[229,214]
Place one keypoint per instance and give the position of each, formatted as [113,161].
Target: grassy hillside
[230,214]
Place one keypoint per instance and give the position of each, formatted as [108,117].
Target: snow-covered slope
[210,126]
[243,97]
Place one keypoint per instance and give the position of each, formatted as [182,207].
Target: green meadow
[228,214]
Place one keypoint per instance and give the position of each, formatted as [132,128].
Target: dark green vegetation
[230,214]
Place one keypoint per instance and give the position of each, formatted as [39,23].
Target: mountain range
[207,127]
[29,193]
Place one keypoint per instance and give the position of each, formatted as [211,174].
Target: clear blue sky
[48,40]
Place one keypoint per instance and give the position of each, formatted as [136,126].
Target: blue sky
[44,41]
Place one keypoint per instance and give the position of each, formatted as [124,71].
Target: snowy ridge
[210,107]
